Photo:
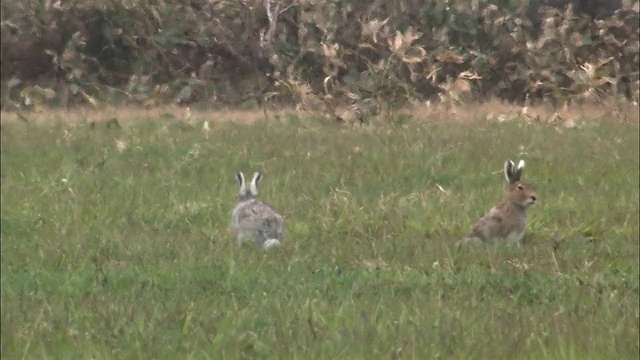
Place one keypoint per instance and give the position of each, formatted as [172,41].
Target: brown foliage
[315,54]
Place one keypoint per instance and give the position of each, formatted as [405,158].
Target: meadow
[115,241]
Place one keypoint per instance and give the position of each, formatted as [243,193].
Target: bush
[316,54]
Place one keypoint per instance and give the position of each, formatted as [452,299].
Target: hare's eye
[520,187]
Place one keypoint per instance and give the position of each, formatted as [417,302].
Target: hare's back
[255,209]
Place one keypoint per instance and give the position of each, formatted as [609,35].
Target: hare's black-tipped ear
[243,188]
[240,178]
[254,183]
[256,177]
[517,173]
[508,170]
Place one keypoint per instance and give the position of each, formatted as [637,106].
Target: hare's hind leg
[240,238]
[469,239]
[272,229]
[270,237]
[237,233]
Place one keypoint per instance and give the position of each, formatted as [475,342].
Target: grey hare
[254,218]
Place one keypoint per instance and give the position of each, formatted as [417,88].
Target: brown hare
[507,219]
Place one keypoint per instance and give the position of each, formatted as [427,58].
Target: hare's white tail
[271,243]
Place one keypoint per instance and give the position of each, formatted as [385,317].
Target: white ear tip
[521,164]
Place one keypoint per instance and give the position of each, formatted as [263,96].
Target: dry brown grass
[500,111]
[626,112]
[125,114]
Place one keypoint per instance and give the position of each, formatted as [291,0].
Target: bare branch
[293,3]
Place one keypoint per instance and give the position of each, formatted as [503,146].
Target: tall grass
[115,242]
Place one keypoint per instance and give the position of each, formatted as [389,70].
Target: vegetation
[115,243]
[373,57]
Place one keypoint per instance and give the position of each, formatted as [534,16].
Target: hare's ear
[508,170]
[517,174]
[243,187]
[253,187]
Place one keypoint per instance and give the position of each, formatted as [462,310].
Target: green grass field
[115,242]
